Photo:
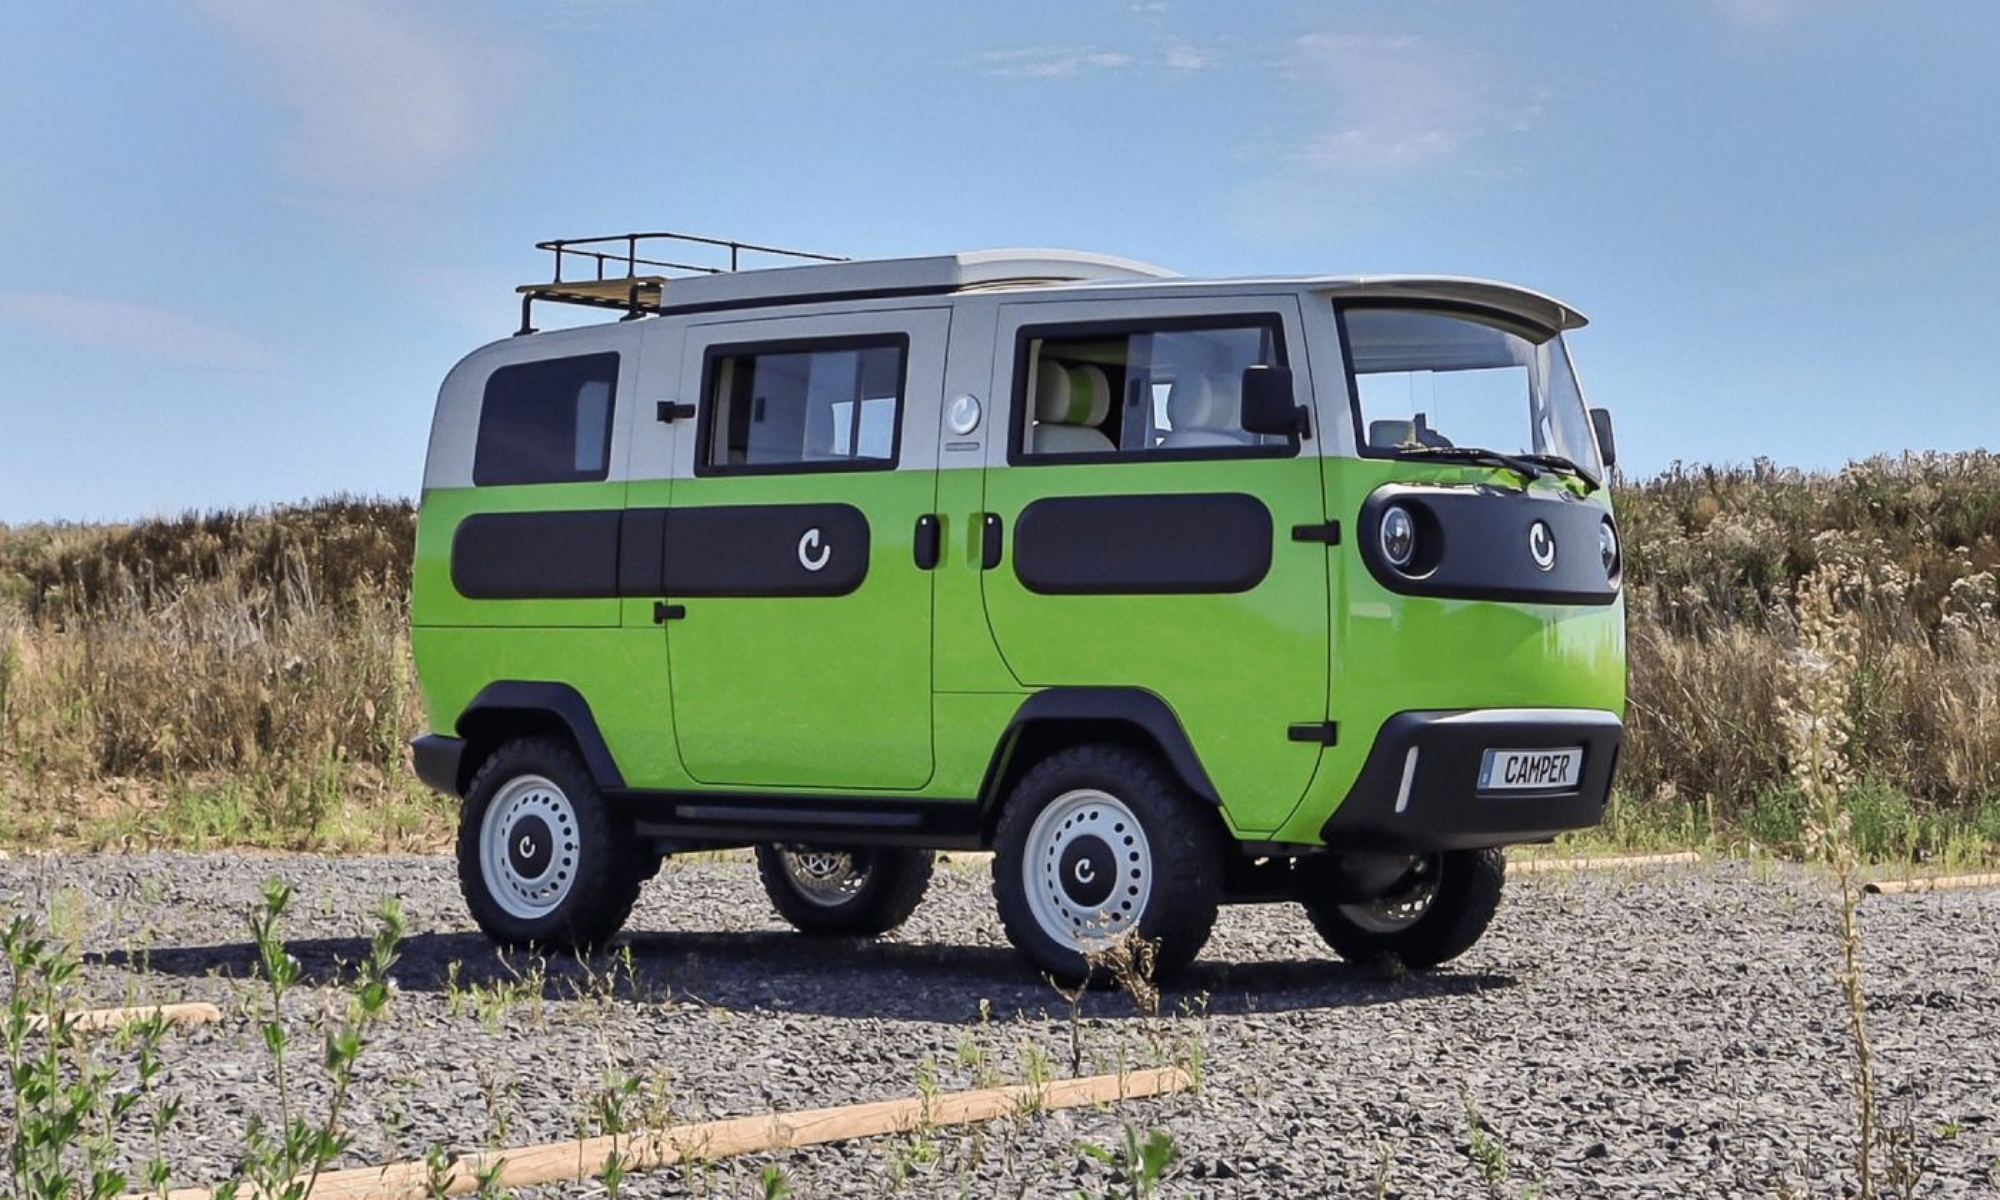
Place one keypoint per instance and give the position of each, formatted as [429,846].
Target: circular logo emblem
[812,555]
[963,416]
[532,848]
[1542,545]
[1089,871]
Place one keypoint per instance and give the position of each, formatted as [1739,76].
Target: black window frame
[487,477]
[1271,320]
[705,425]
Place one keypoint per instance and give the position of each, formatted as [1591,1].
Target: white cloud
[1053,62]
[1153,8]
[1183,57]
[1398,103]
[145,330]
[379,99]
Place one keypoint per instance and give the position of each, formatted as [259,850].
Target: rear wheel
[543,861]
[863,892]
[1433,914]
[1097,842]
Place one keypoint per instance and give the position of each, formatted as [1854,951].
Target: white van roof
[809,277]
[898,276]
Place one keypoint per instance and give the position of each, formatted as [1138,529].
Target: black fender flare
[503,703]
[1134,708]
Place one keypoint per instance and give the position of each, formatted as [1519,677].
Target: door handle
[928,545]
[664,612]
[989,542]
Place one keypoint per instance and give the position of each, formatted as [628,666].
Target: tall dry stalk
[1817,731]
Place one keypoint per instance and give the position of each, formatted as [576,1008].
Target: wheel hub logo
[1542,545]
[812,555]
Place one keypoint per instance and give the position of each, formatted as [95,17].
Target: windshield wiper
[1523,465]
[1567,466]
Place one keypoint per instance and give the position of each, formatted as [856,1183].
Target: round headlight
[1399,536]
[1607,547]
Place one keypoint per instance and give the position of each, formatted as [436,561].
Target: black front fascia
[1143,545]
[730,550]
[1443,808]
[1473,543]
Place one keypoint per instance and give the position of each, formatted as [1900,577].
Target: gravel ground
[1641,1032]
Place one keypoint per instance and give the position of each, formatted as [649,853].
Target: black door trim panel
[721,550]
[1138,545]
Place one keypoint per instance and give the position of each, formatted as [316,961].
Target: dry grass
[235,678]
[1911,547]
[245,677]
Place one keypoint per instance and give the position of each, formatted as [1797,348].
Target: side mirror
[1267,403]
[1607,443]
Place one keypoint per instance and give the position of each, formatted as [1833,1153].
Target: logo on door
[812,555]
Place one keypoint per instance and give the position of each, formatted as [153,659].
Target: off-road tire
[609,864]
[1183,839]
[1468,894]
[894,883]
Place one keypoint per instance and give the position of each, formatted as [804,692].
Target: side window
[825,406]
[547,422]
[1169,389]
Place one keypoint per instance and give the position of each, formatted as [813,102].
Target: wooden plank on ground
[556,1162]
[1533,865]
[197,1013]
[1936,883]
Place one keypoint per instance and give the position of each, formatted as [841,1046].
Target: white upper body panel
[975,278]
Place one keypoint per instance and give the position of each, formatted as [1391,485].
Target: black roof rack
[606,272]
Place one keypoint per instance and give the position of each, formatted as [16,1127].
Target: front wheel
[862,892]
[1430,916]
[1097,842]
[543,861]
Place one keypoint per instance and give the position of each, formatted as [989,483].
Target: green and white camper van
[1169,592]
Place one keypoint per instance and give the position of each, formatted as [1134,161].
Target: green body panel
[966,658]
[969,728]
[617,671]
[818,692]
[1396,653]
[1237,669]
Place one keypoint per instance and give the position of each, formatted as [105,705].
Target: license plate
[1531,770]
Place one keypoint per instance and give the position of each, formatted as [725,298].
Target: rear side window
[826,406]
[1171,389]
[547,422]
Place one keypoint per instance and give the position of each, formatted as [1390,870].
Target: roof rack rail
[602,258]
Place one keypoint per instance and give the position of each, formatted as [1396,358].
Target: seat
[1204,411]
[1391,435]
[1071,402]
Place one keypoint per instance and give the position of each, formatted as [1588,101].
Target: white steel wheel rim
[828,878]
[1054,840]
[528,808]
[1394,914]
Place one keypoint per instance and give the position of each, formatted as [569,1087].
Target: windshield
[1427,381]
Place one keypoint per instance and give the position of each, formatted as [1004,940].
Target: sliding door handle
[989,542]
[928,545]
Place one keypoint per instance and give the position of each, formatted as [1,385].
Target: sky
[241,242]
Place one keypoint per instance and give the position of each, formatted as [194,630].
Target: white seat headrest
[1072,395]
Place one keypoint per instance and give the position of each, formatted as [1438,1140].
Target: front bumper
[437,761]
[1418,791]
